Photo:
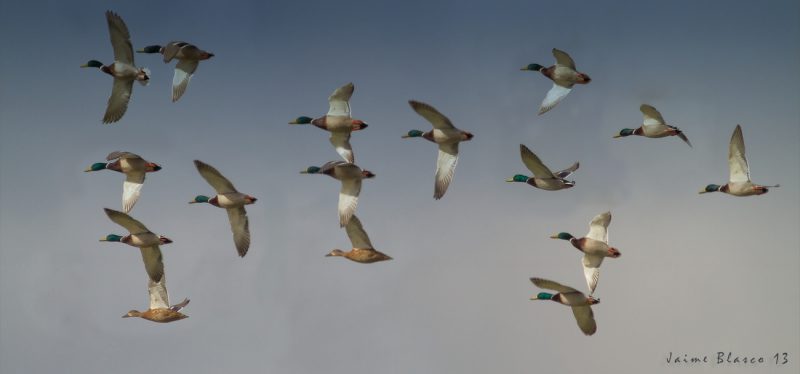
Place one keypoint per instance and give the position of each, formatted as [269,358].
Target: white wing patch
[348,200]
[737,163]
[591,270]
[240,226]
[652,117]
[184,70]
[598,228]
[339,101]
[445,168]
[130,194]
[554,96]
[341,142]
[159,299]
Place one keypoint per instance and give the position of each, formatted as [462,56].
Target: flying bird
[231,200]
[139,236]
[447,137]
[134,167]
[188,56]
[563,74]
[338,121]
[543,178]
[362,251]
[351,176]
[653,126]
[594,247]
[739,183]
[581,304]
[123,69]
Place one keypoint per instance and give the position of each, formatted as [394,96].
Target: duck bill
[617,136]
[509,179]
[702,191]
[554,236]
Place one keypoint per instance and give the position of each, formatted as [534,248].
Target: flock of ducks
[339,122]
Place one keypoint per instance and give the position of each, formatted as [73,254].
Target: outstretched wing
[652,117]
[358,237]
[563,59]
[158,293]
[591,270]
[339,101]
[554,96]
[568,171]
[551,285]
[133,226]
[131,189]
[183,74]
[153,263]
[120,38]
[533,163]
[737,163]
[598,228]
[240,226]
[341,142]
[121,154]
[214,178]
[445,168]
[348,199]
[438,120]
[118,101]
[585,318]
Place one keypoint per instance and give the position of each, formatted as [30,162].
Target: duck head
[543,296]
[624,133]
[518,178]
[335,253]
[711,188]
[562,236]
[302,120]
[413,134]
[200,199]
[111,238]
[311,170]
[532,67]
[132,313]
[96,166]
[92,64]
[151,49]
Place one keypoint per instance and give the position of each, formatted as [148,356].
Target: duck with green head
[188,56]
[231,200]
[543,178]
[447,136]
[739,183]
[351,176]
[363,251]
[123,69]
[141,237]
[134,167]
[563,74]
[653,126]
[581,304]
[338,121]
[594,247]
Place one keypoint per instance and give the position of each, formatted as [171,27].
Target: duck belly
[444,136]
[146,239]
[741,189]
[594,247]
[131,164]
[549,184]
[231,200]
[125,71]
[565,76]
[655,131]
[573,299]
[338,123]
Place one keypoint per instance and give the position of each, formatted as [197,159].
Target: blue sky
[699,273]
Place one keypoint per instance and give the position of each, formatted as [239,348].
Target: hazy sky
[698,273]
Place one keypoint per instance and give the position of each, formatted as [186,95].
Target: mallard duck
[739,183]
[338,121]
[134,168]
[123,69]
[232,200]
[160,310]
[581,304]
[653,126]
[594,246]
[447,137]
[139,236]
[543,178]
[188,56]
[362,251]
[351,176]
[563,75]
